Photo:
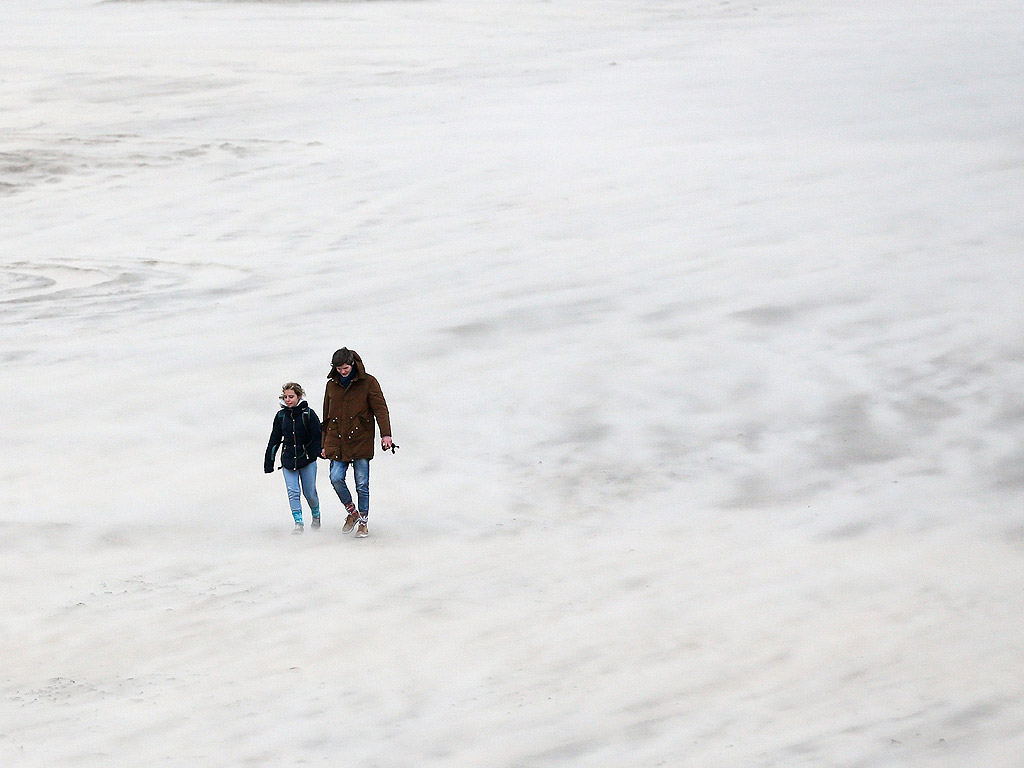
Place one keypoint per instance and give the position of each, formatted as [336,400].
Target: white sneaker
[297,529]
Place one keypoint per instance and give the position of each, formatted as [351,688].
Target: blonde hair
[296,388]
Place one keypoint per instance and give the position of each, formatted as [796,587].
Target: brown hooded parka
[349,412]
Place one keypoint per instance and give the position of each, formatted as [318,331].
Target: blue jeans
[361,472]
[306,478]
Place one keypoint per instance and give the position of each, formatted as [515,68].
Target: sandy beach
[702,333]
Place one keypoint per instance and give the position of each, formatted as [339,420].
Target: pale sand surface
[702,329]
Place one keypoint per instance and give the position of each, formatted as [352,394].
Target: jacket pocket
[360,425]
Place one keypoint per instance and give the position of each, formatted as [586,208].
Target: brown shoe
[350,522]
[361,532]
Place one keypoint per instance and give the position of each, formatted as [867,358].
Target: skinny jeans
[304,479]
[361,473]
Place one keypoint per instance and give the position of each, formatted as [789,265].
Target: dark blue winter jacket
[298,428]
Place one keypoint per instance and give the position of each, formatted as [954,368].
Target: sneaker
[298,528]
[315,523]
[350,519]
[361,532]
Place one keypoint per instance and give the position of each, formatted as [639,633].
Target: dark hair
[343,356]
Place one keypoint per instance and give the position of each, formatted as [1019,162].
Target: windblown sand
[702,331]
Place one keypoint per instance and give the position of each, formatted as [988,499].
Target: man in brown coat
[352,400]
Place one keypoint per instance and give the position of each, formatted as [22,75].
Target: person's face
[290,398]
[344,370]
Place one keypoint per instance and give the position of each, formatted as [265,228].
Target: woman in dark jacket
[297,427]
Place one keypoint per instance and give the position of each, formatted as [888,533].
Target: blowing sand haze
[701,325]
